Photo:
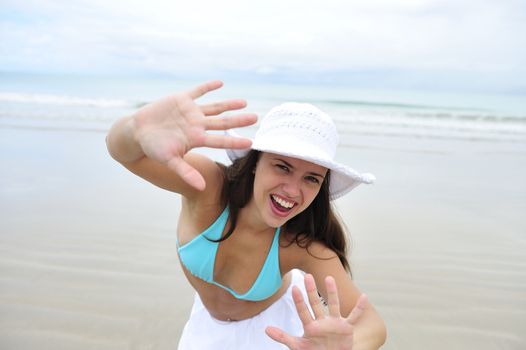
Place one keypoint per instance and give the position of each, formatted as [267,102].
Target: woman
[244,230]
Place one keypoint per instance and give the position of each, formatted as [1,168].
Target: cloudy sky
[476,44]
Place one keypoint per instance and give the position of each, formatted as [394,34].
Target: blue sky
[443,44]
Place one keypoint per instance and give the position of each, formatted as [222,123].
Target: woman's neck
[249,220]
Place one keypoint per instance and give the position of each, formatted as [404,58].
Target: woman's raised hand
[323,330]
[170,127]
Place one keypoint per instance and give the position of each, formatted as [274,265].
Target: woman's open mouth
[281,206]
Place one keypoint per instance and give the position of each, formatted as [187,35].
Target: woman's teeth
[282,202]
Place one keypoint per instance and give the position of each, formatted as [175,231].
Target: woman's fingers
[302,309]
[204,88]
[223,106]
[188,173]
[282,337]
[358,309]
[230,121]
[314,298]
[221,141]
[332,296]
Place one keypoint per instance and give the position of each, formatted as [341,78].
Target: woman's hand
[324,330]
[170,127]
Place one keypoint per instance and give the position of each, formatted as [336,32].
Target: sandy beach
[88,255]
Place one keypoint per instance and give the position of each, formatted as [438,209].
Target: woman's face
[285,186]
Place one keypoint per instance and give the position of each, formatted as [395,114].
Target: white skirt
[203,332]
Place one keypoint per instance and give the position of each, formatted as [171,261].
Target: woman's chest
[241,259]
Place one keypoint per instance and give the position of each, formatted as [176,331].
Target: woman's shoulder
[296,251]
[212,171]
[207,203]
[196,218]
[301,243]
[200,210]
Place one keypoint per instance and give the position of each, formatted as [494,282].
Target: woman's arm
[155,141]
[369,331]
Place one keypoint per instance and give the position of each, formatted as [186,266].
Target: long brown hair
[318,222]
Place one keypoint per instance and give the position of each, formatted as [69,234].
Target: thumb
[358,309]
[282,337]
[188,173]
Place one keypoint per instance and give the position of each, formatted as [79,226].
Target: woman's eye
[282,167]
[313,179]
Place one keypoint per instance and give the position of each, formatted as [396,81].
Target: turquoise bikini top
[198,256]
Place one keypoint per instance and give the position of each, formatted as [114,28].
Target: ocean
[92,103]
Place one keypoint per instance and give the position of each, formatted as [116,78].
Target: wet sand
[88,256]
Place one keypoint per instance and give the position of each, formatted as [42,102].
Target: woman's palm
[170,127]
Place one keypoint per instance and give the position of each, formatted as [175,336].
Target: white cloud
[263,36]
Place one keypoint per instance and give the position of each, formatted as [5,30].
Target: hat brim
[343,178]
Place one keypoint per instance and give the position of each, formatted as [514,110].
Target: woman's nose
[291,188]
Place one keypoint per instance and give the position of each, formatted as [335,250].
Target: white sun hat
[301,130]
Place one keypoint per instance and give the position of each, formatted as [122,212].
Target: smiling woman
[246,230]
